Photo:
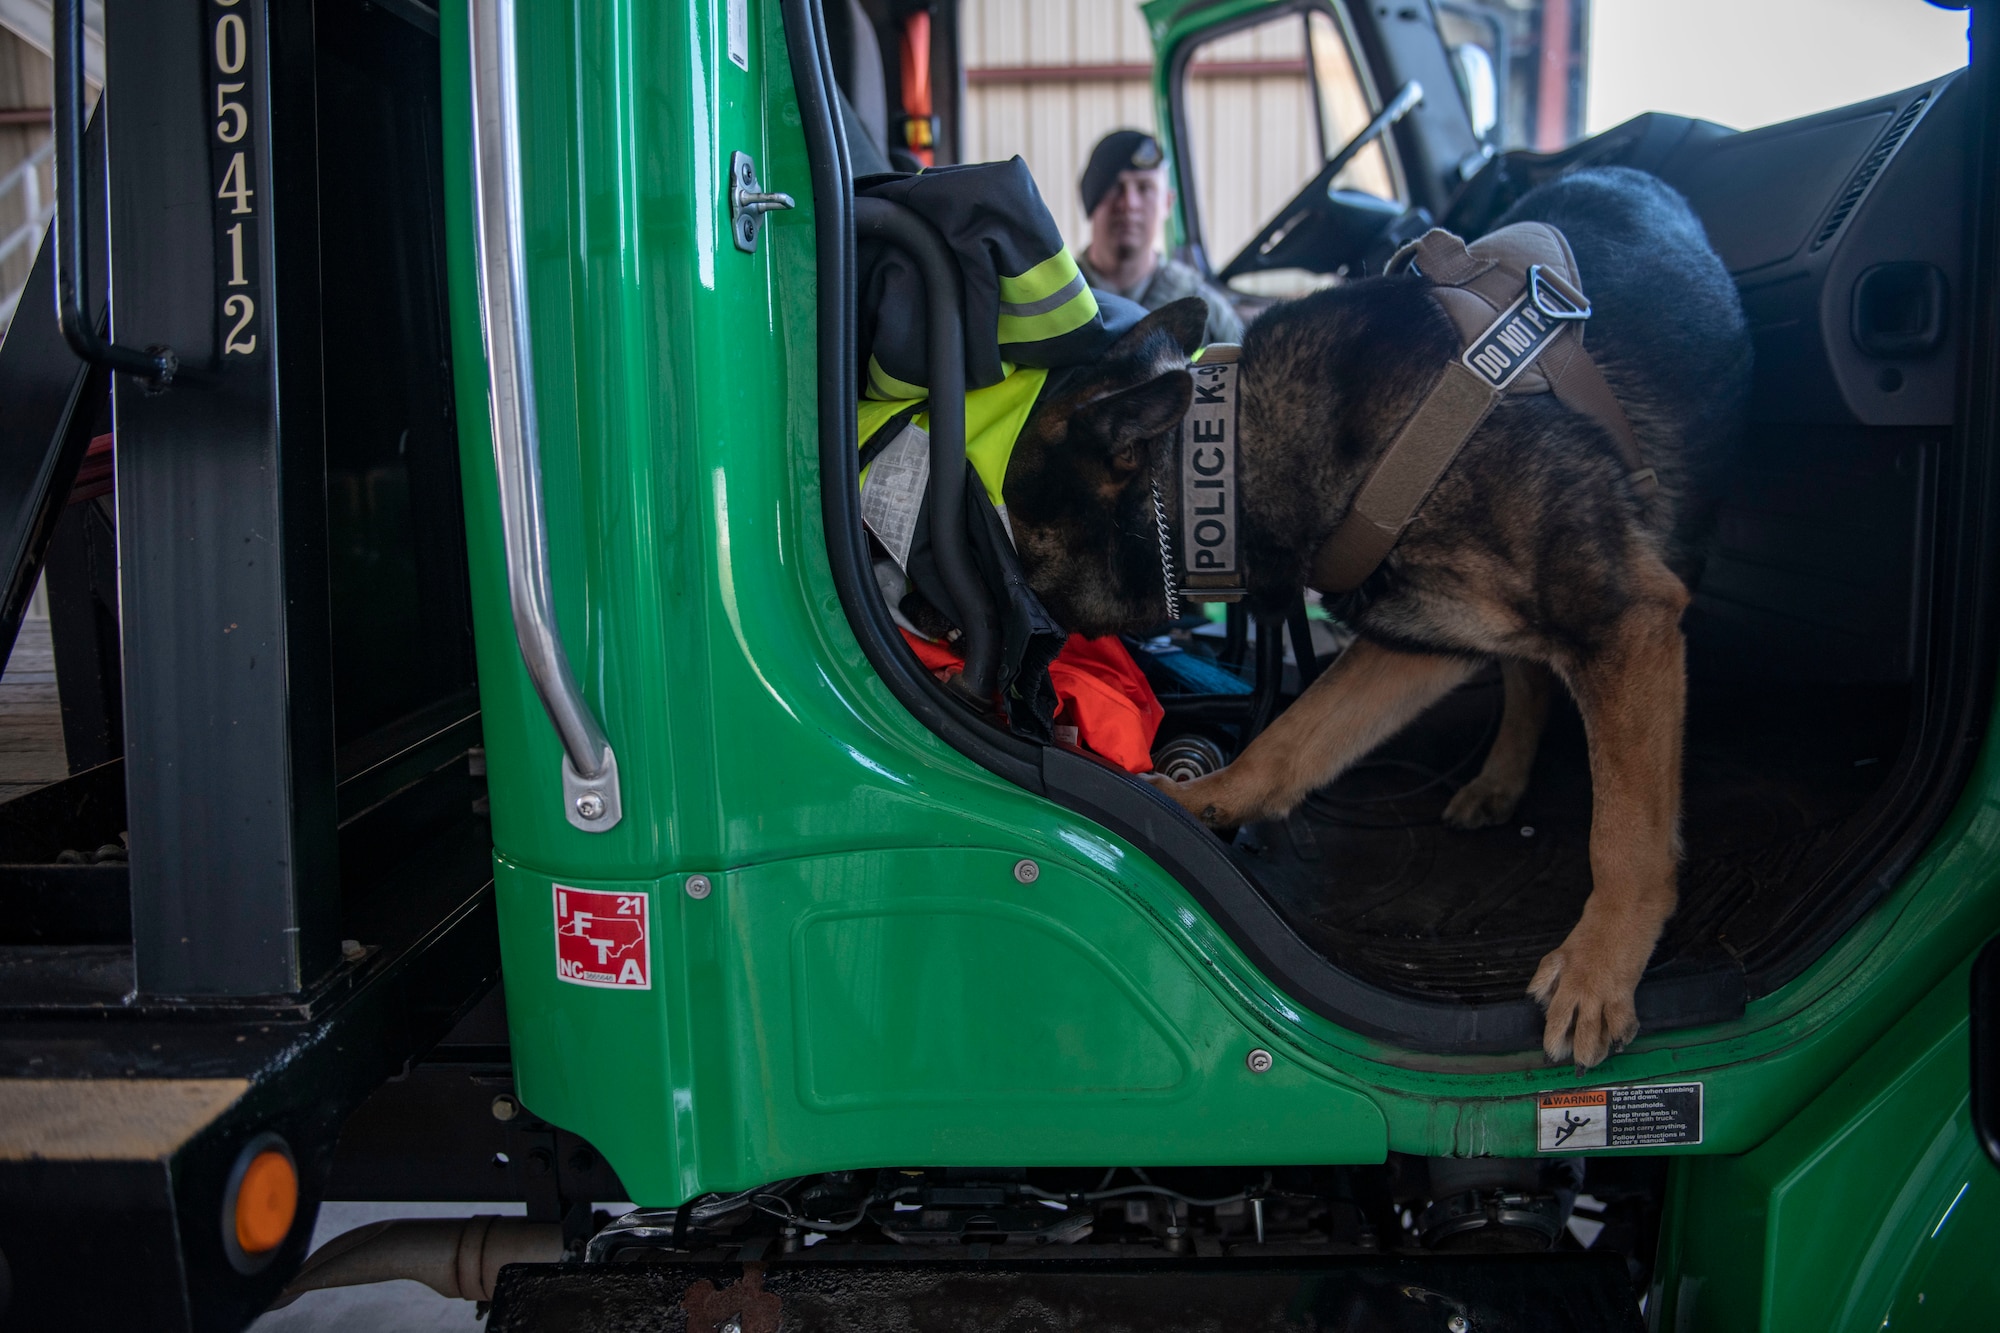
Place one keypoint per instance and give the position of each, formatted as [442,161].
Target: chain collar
[1166,555]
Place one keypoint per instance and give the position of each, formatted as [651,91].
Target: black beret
[1120,150]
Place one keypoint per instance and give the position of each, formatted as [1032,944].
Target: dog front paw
[1586,989]
[1201,797]
[1482,803]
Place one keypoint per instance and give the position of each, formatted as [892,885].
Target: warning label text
[1639,1116]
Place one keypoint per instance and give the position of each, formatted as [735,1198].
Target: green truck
[484,595]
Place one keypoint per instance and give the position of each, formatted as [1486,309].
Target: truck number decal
[232,164]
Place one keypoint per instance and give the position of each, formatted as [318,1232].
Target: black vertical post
[1236,637]
[947,82]
[1299,621]
[222,496]
[1270,675]
[82,580]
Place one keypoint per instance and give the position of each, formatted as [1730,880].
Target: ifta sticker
[1640,1116]
[601,939]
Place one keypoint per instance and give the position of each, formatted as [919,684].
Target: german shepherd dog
[1534,548]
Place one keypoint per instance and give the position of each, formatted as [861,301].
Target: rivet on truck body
[1259,1060]
[1027,871]
[698,887]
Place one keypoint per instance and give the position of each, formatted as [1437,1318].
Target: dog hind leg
[1492,797]
[1367,695]
[1633,697]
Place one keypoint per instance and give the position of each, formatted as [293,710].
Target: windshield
[1746,63]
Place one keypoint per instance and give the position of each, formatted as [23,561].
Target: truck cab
[493,773]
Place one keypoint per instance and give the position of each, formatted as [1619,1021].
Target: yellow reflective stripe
[884,386]
[1043,280]
[1047,301]
[871,414]
[1074,313]
[994,418]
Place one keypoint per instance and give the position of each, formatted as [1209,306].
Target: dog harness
[1518,304]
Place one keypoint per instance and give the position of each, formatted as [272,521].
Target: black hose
[1009,757]
[894,224]
[1300,624]
[1270,675]
[1236,635]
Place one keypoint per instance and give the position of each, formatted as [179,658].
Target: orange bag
[1099,690]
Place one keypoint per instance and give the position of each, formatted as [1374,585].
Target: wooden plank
[31,739]
[108,1119]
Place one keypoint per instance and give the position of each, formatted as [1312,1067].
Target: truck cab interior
[1839,643]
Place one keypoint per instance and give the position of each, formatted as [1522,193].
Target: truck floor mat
[1368,875]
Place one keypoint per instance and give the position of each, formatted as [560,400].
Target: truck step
[1493,1293]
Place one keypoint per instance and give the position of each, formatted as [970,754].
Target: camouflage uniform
[1170,281]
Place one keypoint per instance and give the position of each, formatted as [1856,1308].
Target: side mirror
[1986,1048]
[1480,84]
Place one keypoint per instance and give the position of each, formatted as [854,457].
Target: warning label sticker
[601,939]
[1638,1116]
[893,490]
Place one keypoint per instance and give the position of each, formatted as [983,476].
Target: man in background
[1125,192]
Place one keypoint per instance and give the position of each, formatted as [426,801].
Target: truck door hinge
[748,203]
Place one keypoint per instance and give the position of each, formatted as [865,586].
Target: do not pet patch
[1649,1115]
[601,939]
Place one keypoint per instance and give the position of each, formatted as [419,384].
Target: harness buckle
[1554,297]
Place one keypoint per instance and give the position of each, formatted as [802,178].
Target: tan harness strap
[1517,303]
[1423,449]
[1581,387]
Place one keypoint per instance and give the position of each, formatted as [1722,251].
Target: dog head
[1080,483]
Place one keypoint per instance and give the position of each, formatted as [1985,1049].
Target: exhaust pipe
[459,1257]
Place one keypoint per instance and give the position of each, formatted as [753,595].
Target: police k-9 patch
[1208,476]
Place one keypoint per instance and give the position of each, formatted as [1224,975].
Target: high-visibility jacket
[1026,302]
[1027,310]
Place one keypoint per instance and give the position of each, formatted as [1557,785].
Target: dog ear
[1185,321]
[1121,424]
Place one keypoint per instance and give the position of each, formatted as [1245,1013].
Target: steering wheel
[1310,211]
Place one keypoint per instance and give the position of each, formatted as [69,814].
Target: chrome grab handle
[155,366]
[590,770]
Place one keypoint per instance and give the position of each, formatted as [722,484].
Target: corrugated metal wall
[1048,78]
[1251,135]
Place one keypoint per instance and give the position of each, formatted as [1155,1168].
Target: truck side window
[1262,108]
[1344,107]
